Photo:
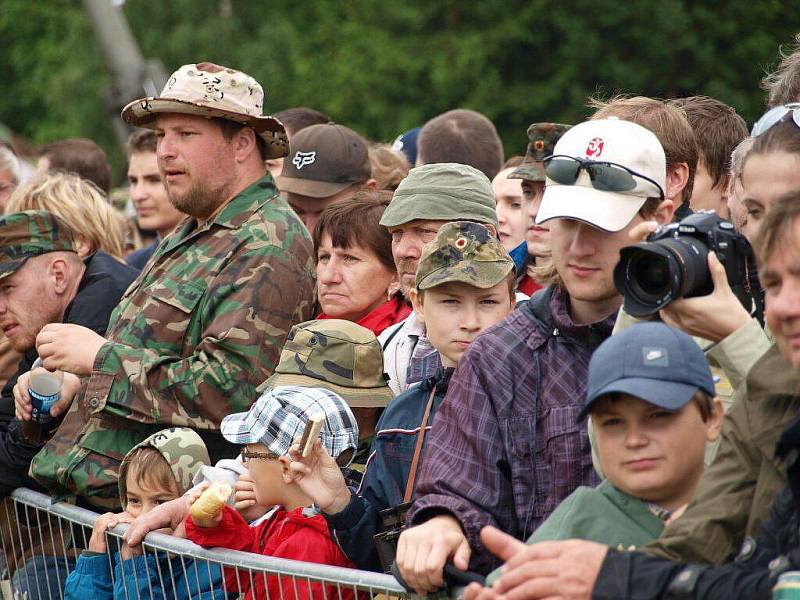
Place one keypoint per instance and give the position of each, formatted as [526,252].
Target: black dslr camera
[673,263]
[393,520]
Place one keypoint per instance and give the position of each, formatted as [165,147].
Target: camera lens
[650,273]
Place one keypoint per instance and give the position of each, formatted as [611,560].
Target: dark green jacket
[603,514]
[735,492]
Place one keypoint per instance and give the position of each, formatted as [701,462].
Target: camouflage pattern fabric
[543,138]
[464,252]
[30,233]
[183,450]
[189,342]
[337,355]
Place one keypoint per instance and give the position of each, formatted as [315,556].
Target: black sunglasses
[604,176]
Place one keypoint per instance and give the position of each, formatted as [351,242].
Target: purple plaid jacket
[506,447]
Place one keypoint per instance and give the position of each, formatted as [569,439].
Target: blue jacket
[138,577]
[387,471]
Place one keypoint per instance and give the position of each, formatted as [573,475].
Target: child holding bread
[295,530]
[157,470]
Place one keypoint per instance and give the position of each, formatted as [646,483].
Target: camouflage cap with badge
[463,252]
[30,233]
[337,355]
[543,138]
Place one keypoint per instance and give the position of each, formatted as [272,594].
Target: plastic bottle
[44,388]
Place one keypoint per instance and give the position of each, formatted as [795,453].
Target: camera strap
[412,474]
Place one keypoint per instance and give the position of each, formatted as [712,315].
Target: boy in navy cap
[651,396]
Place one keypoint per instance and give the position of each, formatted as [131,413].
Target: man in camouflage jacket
[204,323]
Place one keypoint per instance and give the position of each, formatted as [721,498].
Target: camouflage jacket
[189,342]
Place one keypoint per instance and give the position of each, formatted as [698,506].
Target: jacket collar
[564,326]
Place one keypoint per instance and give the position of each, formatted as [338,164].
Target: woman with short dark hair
[356,276]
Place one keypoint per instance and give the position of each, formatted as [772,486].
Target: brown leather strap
[412,474]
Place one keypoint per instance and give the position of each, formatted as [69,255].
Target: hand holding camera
[699,274]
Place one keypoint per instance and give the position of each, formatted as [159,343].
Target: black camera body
[393,520]
[673,263]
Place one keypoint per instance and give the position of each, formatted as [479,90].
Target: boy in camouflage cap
[157,470]
[464,284]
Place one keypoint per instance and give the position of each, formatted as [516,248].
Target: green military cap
[24,235]
[337,355]
[182,448]
[543,138]
[442,192]
[465,252]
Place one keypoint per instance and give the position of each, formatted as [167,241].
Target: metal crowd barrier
[41,542]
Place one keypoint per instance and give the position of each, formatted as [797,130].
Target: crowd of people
[462,323]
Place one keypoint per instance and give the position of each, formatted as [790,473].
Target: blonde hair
[389,168]
[81,206]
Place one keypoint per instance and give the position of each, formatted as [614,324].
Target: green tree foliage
[384,67]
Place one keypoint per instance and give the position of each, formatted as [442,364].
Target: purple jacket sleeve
[465,471]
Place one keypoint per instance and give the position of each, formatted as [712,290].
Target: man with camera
[580,569]
[513,402]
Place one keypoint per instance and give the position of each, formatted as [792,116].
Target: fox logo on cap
[301,159]
[595,148]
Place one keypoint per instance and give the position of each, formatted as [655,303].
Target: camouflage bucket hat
[543,138]
[442,192]
[464,252]
[182,448]
[24,235]
[209,90]
[337,355]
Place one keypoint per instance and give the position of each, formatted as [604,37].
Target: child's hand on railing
[97,543]
[318,476]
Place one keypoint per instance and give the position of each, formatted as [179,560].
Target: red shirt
[528,285]
[286,535]
[387,314]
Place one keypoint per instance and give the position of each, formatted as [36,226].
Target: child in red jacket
[293,529]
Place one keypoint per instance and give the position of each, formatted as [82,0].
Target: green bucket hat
[442,192]
[543,138]
[24,235]
[337,355]
[464,252]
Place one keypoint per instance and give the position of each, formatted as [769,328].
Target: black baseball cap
[324,160]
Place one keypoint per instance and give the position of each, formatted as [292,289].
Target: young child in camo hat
[464,283]
[157,470]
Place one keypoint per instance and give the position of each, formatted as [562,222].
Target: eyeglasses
[247,455]
[774,116]
[604,176]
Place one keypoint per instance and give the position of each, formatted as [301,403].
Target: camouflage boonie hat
[543,138]
[337,355]
[182,448]
[24,235]
[209,90]
[465,252]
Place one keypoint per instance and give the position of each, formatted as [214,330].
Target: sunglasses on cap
[604,176]
[774,116]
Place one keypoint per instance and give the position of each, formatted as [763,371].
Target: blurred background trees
[385,67]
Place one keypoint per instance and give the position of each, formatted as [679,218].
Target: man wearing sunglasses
[506,446]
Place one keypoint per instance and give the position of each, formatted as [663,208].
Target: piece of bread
[310,434]
[206,508]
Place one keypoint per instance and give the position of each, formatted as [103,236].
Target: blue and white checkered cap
[279,417]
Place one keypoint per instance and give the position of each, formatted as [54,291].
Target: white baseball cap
[606,141]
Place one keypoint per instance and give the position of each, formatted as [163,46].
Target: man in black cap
[326,163]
